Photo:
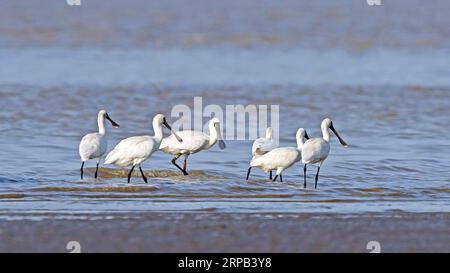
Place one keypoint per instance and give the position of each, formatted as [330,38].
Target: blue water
[224,66]
[381,74]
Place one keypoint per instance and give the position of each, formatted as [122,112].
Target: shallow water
[390,102]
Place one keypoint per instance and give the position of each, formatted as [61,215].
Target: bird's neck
[101,125]
[325,134]
[158,130]
[213,135]
[300,142]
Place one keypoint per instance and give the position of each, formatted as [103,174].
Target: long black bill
[113,123]
[173,132]
[343,143]
[306,135]
[222,144]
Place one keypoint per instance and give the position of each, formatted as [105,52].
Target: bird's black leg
[81,170]
[317,177]
[248,172]
[275,178]
[96,172]
[185,166]
[129,174]
[281,178]
[270,175]
[174,162]
[304,176]
[143,175]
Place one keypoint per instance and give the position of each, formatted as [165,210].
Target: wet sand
[217,232]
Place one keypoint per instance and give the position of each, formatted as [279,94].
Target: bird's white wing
[193,141]
[92,146]
[262,146]
[315,150]
[279,157]
[130,150]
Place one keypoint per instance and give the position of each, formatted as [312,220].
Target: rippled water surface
[388,94]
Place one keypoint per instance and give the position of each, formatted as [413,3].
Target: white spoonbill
[316,150]
[137,149]
[94,145]
[264,145]
[193,142]
[280,159]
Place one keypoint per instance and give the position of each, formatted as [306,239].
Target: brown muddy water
[382,75]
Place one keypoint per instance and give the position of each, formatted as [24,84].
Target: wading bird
[264,145]
[94,145]
[193,142]
[280,159]
[135,150]
[316,150]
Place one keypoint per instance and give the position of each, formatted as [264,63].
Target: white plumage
[316,150]
[93,146]
[280,159]
[193,142]
[132,151]
[135,150]
[264,144]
